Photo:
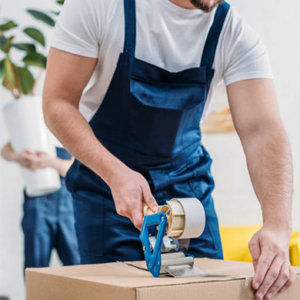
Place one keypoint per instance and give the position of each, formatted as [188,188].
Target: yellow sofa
[235,244]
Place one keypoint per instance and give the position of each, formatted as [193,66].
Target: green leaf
[11,77]
[41,16]
[61,2]
[55,12]
[8,85]
[24,47]
[8,25]
[10,71]
[26,80]
[35,59]
[3,41]
[2,70]
[35,34]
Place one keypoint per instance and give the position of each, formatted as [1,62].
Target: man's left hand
[43,160]
[269,248]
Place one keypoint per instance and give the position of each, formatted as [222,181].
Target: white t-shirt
[168,36]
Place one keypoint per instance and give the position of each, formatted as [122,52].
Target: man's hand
[130,192]
[34,161]
[41,160]
[269,248]
[24,159]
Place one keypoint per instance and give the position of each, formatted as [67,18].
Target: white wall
[278,24]
[11,238]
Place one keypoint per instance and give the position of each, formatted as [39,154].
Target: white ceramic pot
[28,131]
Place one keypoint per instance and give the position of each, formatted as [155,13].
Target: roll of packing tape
[194,217]
[186,217]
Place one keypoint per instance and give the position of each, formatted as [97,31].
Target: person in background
[48,221]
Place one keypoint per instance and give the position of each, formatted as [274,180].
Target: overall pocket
[89,214]
[159,114]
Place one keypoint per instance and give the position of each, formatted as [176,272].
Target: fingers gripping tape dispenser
[180,219]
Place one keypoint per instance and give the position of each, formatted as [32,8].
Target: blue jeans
[48,223]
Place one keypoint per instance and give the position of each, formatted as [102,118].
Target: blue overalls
[48,223]
[149,119]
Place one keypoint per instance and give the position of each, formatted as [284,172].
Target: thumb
[148,198]
[254,247]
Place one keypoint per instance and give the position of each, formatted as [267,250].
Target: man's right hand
[130,192]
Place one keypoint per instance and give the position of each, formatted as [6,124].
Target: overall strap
[211,43]
[130,26]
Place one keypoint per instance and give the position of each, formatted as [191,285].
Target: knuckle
[274,289]
[130,206]
[266,264]
[138,224]
[272,248]
[135,194]
[274,275]
[282,253]
[285,276]
[259,278]
[150,200]
[288,284]
[121,211]
[263,289]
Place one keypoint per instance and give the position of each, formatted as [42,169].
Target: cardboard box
[122,281]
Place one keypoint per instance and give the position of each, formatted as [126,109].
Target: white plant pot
[28,131]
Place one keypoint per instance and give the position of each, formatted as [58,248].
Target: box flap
[123,275]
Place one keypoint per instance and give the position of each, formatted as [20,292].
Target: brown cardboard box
[121,281]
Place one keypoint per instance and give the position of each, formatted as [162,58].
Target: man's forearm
[67,76]
[257,119]
[78,138]
[270,166]
[8,153]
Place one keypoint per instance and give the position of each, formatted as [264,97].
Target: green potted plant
[23,115]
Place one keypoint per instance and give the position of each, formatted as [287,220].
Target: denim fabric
[48,223]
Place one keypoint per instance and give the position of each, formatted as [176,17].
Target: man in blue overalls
[142,142]
[48,221]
